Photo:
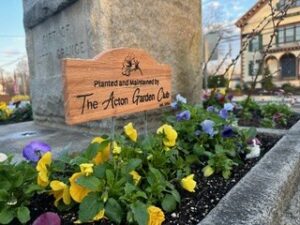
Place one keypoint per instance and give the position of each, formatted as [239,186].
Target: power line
[12,62]
[11,35]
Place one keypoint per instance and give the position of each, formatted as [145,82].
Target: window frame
[283,31]
[258,44]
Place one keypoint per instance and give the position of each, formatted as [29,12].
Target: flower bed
[130,179]
[193,207]
[251,114]
[17,111]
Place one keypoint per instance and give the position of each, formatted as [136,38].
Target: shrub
[267,80]
[277,113]
[217,81]
[288,88]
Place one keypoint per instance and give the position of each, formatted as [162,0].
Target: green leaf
[5,185]
[3,195]
[94,148]
[251,133]
[192,159]
[18,179]
[23,214]
[99,171]
[176,195]
[169,203]
[226,174]
[6,216]
[133,164]
[89,182]
[79,160]
[32,188]
[199,150]
[89,207]
[140,194]
[219,149]
[110,177]
[114,211]
[140,213]
[129,188]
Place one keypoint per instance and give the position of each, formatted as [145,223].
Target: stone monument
[169,30]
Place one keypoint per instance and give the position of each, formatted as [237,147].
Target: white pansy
[181,99]
[254,151]
[3,157]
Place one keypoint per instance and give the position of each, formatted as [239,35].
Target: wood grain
[118,81]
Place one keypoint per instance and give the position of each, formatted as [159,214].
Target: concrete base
[14,137]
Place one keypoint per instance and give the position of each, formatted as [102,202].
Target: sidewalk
[14,137]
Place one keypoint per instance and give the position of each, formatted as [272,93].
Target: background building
[282,58]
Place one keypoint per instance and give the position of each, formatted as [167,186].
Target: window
[288,34]
[283,3]
[255,43]
[254,66]
[281,35]
[298,32]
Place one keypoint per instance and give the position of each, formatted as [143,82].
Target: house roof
[243,20]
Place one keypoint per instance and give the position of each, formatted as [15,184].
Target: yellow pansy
[77,191]
[135,176]
[41,167]
[60,191]
[102,156]
[18,98]
[208,171]
[130,132]
[86,168]
[222,91]
[170,135]
[3,106]
[188,183]
[100,215]
[116,148]
[156,215]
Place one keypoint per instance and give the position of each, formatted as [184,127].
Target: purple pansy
[174,105]
[227,132]
[208,127]
[223,114]
[219,96]
[48,218]
[230,97]
[254,141]
[210,109]
[34,150]
[197,133]
[185,115]
[277,116]
[228,106]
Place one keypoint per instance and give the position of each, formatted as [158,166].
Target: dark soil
[256,119]
[194,206]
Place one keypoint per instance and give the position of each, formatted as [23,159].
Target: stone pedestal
[169,30]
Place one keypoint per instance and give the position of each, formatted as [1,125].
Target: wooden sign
[116,82]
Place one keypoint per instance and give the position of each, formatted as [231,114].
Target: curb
[262,195]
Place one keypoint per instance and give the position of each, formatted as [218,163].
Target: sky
[12,35]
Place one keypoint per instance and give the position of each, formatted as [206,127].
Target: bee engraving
[130,64]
